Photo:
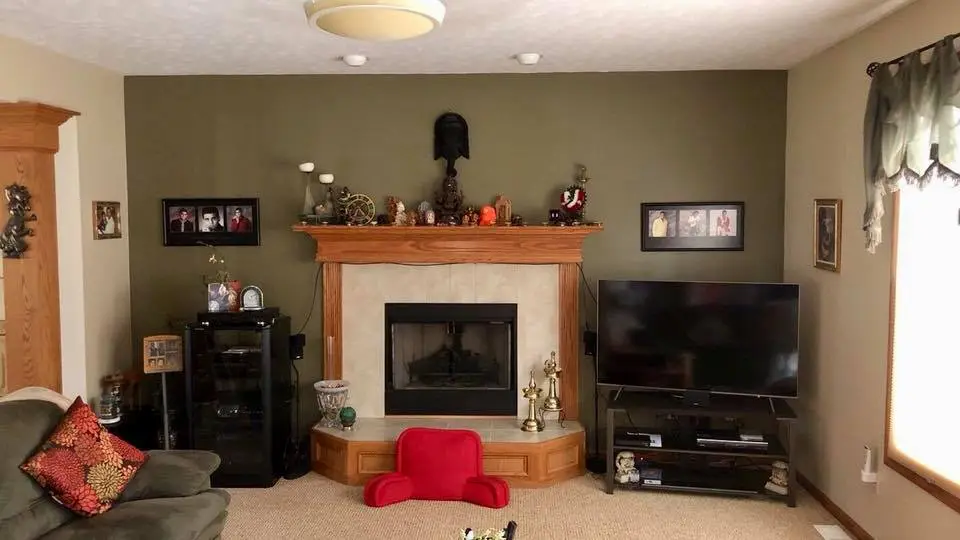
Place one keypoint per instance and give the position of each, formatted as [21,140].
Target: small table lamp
[163,354]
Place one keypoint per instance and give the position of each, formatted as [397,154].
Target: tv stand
[724,445]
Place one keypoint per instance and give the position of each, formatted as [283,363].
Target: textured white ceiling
[165,37]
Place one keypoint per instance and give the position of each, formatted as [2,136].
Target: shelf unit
[239,395]
[685,466]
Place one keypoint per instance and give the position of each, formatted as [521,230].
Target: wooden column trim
[332,321]
[29,138]
[569,342]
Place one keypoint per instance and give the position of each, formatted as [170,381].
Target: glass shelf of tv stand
[720,406]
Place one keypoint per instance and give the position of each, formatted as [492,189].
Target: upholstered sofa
[168,499]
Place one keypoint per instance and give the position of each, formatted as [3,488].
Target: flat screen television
[722,338]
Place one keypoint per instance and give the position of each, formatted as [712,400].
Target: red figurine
[488,215]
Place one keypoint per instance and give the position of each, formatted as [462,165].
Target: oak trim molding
[521,464]
[407,245]
[339,244]
[29,138]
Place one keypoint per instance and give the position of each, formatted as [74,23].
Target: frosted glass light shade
[376,20]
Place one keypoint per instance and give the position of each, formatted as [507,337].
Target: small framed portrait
[223,297]
[828,224]
[162,354]
[214,222]
[106,220]
[708,226]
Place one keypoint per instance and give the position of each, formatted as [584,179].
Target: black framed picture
[215,222]
[707,226]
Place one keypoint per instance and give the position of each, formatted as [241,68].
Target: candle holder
[531,393]
[550,369]
[551,404]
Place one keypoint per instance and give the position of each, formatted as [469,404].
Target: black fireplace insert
[451,359]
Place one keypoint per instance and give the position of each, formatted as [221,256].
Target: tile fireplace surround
[366,288]
[535,267]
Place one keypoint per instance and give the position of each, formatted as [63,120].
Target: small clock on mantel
[251,298]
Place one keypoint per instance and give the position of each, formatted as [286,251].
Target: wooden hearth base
[543,459]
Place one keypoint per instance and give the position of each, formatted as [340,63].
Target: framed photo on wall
[106,220]
[707,226]
[215,222]
[828,224]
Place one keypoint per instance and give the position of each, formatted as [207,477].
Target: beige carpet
[314,507]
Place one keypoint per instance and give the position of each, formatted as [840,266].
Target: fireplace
[450,359]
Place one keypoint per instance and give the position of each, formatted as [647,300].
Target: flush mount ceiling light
[376,20]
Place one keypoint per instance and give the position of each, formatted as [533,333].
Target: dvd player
[714,442]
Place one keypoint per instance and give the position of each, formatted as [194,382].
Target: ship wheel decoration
[356,208]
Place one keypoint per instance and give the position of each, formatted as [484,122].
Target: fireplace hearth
[451,359]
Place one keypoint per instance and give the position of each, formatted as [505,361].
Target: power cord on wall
[296,458]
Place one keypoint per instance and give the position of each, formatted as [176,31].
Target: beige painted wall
[646,137]
[844,333]
[32,73]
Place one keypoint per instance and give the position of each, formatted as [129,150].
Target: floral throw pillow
[82,465]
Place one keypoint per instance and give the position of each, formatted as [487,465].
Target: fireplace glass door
[451,359]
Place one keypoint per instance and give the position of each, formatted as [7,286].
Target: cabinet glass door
[227,396]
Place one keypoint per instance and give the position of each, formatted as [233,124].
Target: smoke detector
[528,59]
[354,60]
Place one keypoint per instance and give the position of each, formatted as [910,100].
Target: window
[924,370]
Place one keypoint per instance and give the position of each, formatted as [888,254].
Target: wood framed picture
[162,354]
[107,222]
[828,229]
[214,222]
[707,226]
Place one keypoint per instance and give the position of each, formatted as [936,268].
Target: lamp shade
[376,20]
[162,354]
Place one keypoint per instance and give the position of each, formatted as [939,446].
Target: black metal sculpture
[451,140]
[12,241]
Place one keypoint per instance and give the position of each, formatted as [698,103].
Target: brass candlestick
[531,393]
[552,402]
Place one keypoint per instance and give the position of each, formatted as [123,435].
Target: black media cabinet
[680,464]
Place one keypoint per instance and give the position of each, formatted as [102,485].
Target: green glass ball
[348,416]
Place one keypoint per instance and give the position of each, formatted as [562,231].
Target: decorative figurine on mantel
[397,211]
[449,201]
[425,213]
[574,198]
[504,209]
[450,142]
[488,216]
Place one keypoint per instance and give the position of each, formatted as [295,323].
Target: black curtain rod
[874,66]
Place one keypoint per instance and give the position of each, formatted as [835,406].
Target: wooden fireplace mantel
[563,246]
[511,245]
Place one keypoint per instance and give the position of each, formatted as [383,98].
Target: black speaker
[590,343]
[297,341]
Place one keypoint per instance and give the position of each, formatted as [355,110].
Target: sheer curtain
[911,132]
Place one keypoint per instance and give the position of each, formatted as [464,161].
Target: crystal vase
[331,397]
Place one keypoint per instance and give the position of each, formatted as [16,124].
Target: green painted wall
[655,137]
